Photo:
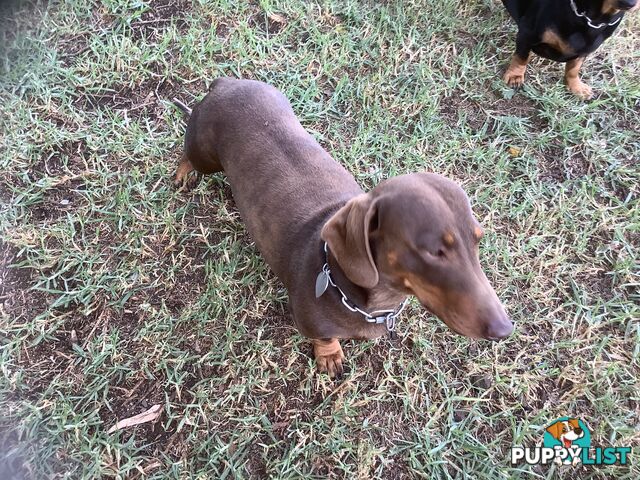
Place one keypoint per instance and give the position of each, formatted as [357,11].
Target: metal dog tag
[322,282]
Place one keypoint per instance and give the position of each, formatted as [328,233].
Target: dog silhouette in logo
[566,432]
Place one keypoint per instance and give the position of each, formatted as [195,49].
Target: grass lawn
[118,292]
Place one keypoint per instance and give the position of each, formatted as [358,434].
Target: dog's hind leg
[184,176]
[199,152]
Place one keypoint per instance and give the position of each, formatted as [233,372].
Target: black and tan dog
[563,31]
[347,257]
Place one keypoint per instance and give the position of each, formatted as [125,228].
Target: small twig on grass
[149,416]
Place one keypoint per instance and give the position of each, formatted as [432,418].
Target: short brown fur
[294,197]
[554,40]
[514,76]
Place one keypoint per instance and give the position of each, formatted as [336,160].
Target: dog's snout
[626,4]
[499,328]
[494,319]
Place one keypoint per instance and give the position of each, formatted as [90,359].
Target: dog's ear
[555,430]
[347,233]
[575,423]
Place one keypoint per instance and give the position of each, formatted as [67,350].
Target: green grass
[171,303]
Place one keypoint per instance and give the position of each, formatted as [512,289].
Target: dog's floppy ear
[555,430]
[347,234]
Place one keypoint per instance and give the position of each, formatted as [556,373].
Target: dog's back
[283,182]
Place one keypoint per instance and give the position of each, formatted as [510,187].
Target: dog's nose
[499,329]
[626,4]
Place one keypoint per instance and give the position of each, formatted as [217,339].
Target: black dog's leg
[514,76]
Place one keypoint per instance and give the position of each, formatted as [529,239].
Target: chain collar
[590,22]
[388,317]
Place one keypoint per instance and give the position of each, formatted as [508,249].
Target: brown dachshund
[349,259]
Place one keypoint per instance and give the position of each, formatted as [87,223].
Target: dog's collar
[388,317]
[597,26]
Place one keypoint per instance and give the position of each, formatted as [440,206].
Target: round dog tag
[322,282]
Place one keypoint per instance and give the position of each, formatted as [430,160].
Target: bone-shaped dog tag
[322,282]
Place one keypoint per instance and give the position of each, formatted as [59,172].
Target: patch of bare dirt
[560,164]
[134,396]
[59,200]
[67,157]
[456,107]
[17,301]
[576,164]
[271,24]
[550,166]
[140,101]
[72,46]
[159,15]
[599,286]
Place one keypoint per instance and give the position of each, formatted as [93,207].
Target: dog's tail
[186,110]
[183,108]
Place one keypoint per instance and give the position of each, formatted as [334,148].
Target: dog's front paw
[329,357]
[514,78]
[331,364]
[581,89]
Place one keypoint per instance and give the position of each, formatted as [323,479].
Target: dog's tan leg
[329,356]
[514,76]
[183,177]
[572,78]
